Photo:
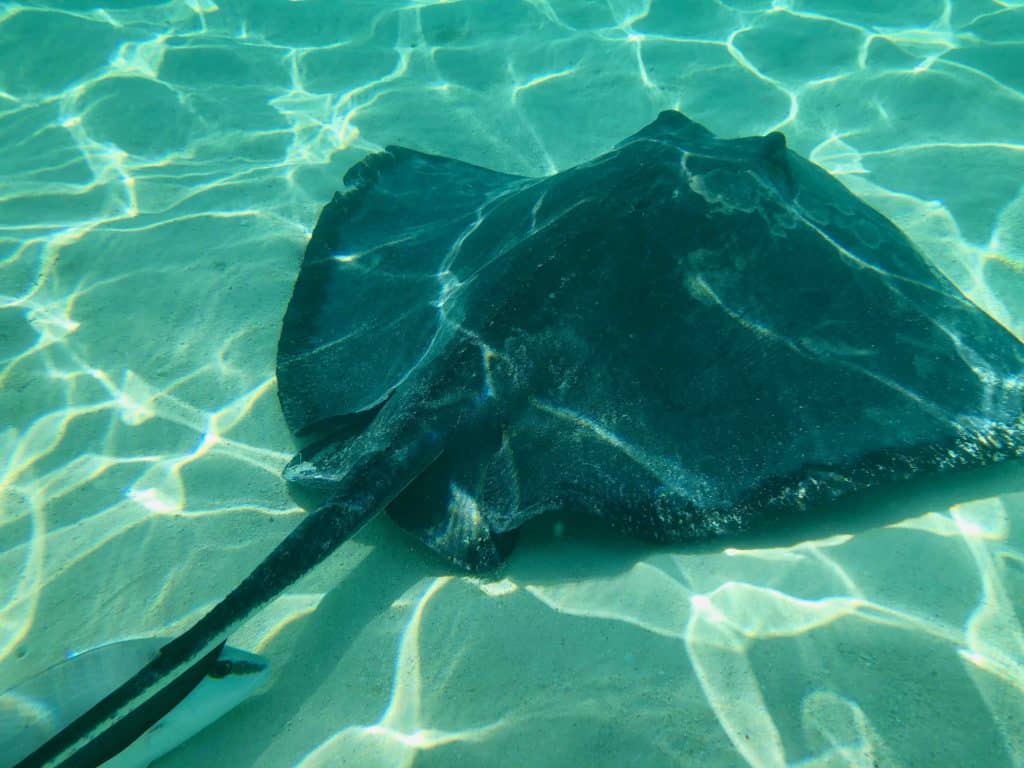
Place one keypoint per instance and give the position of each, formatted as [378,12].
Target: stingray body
[687,336]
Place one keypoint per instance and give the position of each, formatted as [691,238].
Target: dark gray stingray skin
[687,336]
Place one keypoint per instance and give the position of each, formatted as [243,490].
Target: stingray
[688,337]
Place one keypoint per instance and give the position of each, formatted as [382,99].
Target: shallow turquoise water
[162,166]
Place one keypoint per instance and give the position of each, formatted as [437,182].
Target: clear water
[161,167]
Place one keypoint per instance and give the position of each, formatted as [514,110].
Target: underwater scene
[650,394]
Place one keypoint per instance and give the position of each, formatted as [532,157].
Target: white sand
[162,167]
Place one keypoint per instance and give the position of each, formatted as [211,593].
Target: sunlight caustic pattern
[719,631]
[721,628]
[162,166]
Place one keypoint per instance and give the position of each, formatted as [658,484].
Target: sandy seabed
[162,167]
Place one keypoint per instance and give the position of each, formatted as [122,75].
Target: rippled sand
[161,168]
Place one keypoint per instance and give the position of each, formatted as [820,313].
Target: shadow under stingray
[591,547]
[555,549]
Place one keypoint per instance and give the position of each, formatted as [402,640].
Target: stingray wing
[365,306]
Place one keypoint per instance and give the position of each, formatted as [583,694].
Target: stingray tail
[367,487]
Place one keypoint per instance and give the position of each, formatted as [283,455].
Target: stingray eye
[221,669]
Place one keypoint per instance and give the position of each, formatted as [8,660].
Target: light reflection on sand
[162,167]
